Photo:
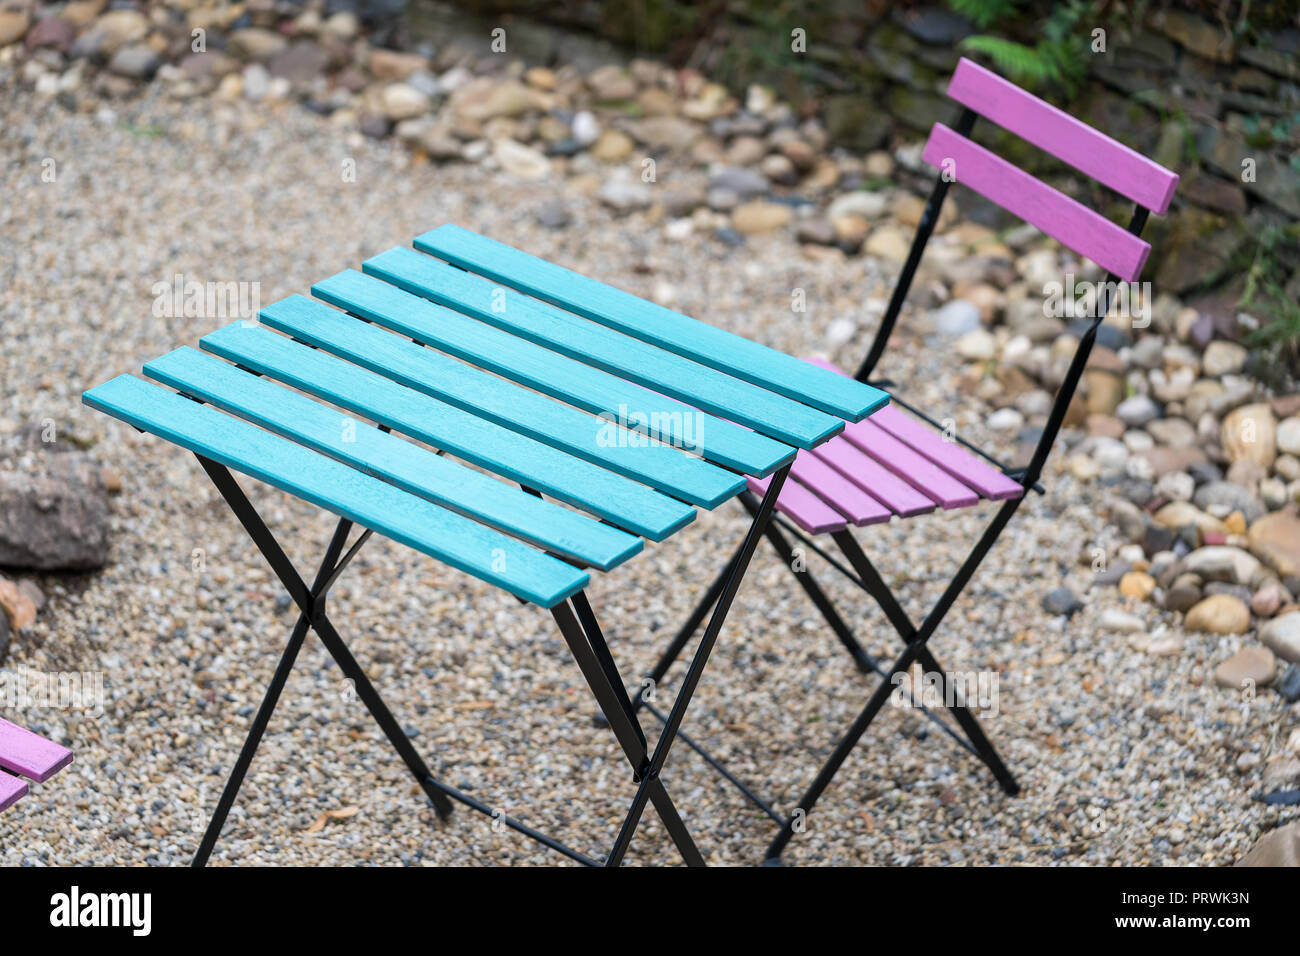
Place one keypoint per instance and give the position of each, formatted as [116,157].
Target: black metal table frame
[577,623]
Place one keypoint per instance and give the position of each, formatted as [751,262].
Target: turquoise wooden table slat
[610,349]
[512,406]
[540,368]
[408,466]
[574,481]
[451,538]
[644,320]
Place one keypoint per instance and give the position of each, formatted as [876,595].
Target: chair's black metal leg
[876,586]
[912,652]
[236,780]
[861,658]
[842,750]
[312,606]
[678,711]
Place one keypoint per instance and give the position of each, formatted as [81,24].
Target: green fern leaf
[1025,64]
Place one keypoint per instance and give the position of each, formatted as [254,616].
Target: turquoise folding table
[596,426]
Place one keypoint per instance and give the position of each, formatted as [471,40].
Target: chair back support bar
[983,93]
[1069,222]
[1095,154]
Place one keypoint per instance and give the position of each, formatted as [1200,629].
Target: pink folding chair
[897,462]
[25,754]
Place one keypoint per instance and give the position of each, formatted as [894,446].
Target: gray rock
[1282,636]
[257,82]
[137,61]
[1280,847]
[624,192]
[1223,563]
[1137,411]
[553,215]
[955,318]
[53,506]
[4,636]
[1288,685]
[1061,601]
[745,183]
[722,200]
[1224,494]
[300,63]
[586,128]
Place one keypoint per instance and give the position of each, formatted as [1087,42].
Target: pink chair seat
[885,465]
[25,754]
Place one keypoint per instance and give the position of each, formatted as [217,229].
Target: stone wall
[1176,86]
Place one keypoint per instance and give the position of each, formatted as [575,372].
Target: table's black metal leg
[313,606]
[621,717]
[269,701]
[696,670]
[383,716]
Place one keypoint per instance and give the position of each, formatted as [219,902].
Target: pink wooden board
[1070,222]
[949,456]
[30,755]
[1109,162]
[802,507]
[11,790]
[899,458]
[868,474]
[837,491]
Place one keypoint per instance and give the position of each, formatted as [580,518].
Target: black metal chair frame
[861,572]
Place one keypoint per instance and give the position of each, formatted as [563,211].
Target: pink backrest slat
[1109,162]
[802,507]
[11,790]
[872,477]
[837,491]
[1073,224]
[951,457]
[931,481]
[30,755]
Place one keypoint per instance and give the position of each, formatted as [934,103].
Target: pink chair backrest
[1111,163]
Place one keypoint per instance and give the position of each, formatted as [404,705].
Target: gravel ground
[1125,757]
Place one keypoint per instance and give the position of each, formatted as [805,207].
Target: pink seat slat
[11,790]
[899,458]
[1073,224]
[30,755]
[1106,160]
[837,491]
[949,456]
[802,507]
[871,476]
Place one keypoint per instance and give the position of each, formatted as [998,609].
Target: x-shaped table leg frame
[597,665]
[311,615]
[581,631]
